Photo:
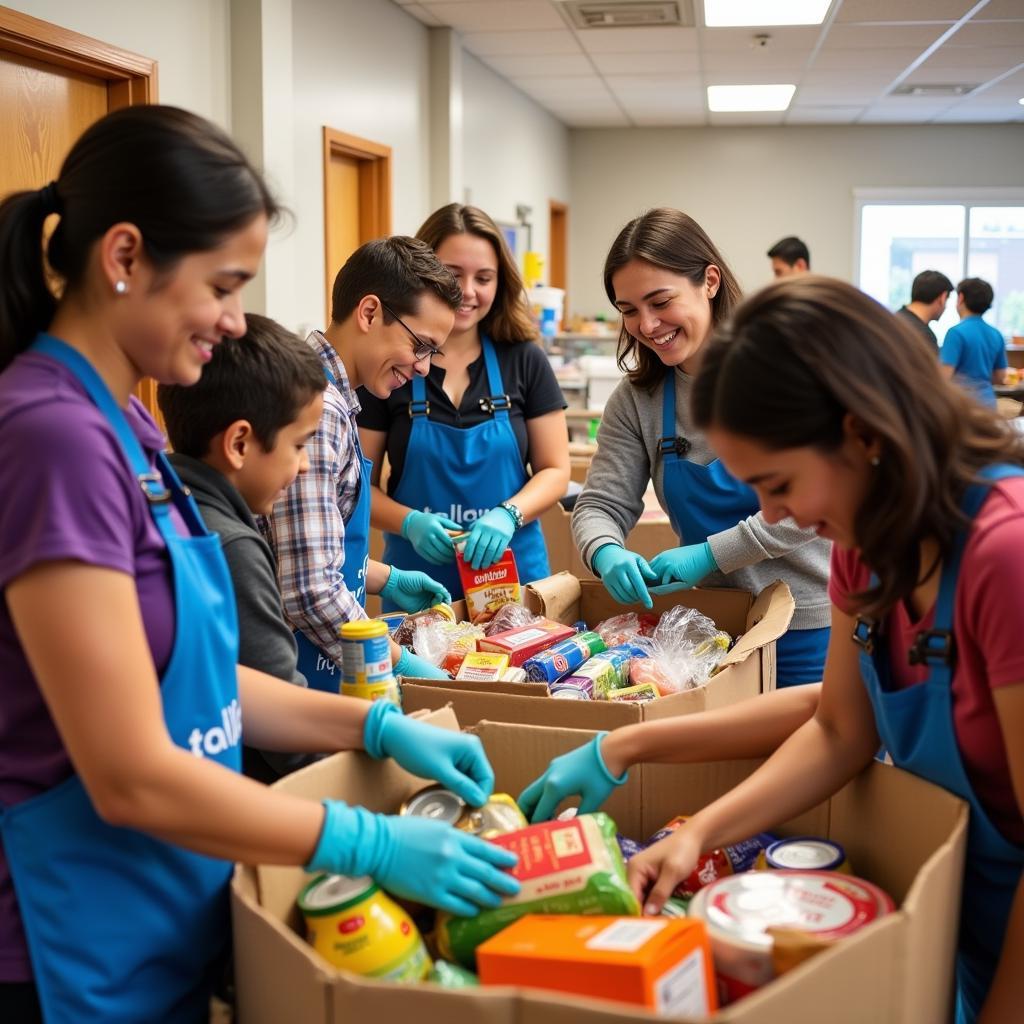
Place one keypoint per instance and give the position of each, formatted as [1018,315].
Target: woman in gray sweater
[672,287]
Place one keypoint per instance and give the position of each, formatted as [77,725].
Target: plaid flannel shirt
[306,528]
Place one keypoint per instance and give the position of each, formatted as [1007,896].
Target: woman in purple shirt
[121,703]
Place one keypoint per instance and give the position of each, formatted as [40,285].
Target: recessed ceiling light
[734,13]
[749,97]
[1021,101]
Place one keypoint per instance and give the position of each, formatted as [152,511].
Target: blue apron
[122,926]
[916,726]
[320,671]
[704,500]
[461,473]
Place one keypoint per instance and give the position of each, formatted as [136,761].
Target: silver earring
[121,287]
[875,460]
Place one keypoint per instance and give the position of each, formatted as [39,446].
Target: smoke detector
[587,14]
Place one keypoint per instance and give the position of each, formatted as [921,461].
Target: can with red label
[352,924]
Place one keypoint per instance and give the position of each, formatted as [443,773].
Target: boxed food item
[659,963]
[487,590]
[565,867]
[522,643]
[897,970]
[482,668]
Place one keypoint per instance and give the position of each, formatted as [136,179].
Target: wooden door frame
[374,190]
[556,207]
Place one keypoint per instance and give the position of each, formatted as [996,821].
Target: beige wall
[748,187]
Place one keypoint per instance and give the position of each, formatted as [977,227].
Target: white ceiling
[844,70]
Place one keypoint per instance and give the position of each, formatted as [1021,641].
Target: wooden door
[53,85]
[558,257]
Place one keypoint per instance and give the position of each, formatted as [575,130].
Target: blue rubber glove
[489,537]
[419,859]
[688,564]
[625,575]
[582,772]
[413,591]
[410,664]
[454,759]
[427,532]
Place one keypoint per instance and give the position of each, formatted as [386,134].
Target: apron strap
[419,406]
[497,403]
[671,445]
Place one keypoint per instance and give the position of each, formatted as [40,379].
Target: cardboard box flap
[555,597]
[526,689]
[769,618]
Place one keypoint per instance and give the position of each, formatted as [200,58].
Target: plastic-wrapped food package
[621,629]
[606,671]
[509,616]
[444,643]
[404,630]
[683,652]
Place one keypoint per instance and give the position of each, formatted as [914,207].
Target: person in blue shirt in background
[974,351]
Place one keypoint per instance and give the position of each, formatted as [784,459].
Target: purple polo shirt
[66,492]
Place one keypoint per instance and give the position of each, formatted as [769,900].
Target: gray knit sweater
[751,554]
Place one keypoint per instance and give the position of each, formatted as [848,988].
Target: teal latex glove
[688,564]
[454,759]
[427,532]
[419,859]
[625,575]
[410,664]
[413,591]
[582,772]
[489,537]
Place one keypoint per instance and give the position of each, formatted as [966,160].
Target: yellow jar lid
[364,629]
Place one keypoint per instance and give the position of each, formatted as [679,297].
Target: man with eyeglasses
[392,307]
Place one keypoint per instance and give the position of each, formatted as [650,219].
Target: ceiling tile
[783,37]
[877,37]
[998,9]
[995,58]
[738,118]
[669,119]
[981,115]
[638,40]
[480,16]
[908,110]
[1010,87]
[485,44]
[904,10]
[840,95]
[641,63]
[551,88]
[658,92]
[990,33]
[762,62]
[592,119]
[420,12]
[539,64]
[822,115]
[750,78]
[856,61]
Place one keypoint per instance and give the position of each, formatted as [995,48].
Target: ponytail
[27,304]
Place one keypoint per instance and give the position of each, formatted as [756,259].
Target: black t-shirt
[527,379]
[919,325]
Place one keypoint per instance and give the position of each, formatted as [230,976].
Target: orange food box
[487,590]
[524,642]
[660,963]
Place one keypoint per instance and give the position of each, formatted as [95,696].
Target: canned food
[366,661]
[806,853]
[353,925]
[500,814]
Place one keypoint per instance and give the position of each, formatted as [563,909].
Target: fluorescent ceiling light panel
[723,98]
[736,13]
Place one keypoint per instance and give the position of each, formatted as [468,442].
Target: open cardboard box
[748,669]
[898,831]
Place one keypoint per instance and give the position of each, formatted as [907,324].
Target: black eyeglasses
[421,349]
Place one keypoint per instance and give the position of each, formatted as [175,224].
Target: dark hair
[509,318]
[977,294]
[789,250]
[179,179]
[398,270]
[929,285]
[803,353]
[266,377]
[669,239]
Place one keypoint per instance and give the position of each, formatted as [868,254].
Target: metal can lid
[806,853]
[569,693]
[363,629]
[435,802]
[329,894]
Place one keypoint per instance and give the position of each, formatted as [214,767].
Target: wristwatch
[513,511]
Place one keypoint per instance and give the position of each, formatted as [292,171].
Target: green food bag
[452,976]
[565,867]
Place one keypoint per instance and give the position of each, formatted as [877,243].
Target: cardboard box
[900,832]
[749,668]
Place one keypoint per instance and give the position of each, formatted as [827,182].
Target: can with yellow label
[366,662]
[353,925]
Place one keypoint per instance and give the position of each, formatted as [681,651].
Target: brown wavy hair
[799,356]
[509,318]
[669,239]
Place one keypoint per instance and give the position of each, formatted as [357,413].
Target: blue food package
[559,660]
[606,671]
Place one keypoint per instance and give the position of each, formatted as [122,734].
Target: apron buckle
[933,647]
[153,488]
[865,633]
[496,403]
[674,446]
[418,409]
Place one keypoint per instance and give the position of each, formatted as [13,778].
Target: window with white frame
[969,233]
